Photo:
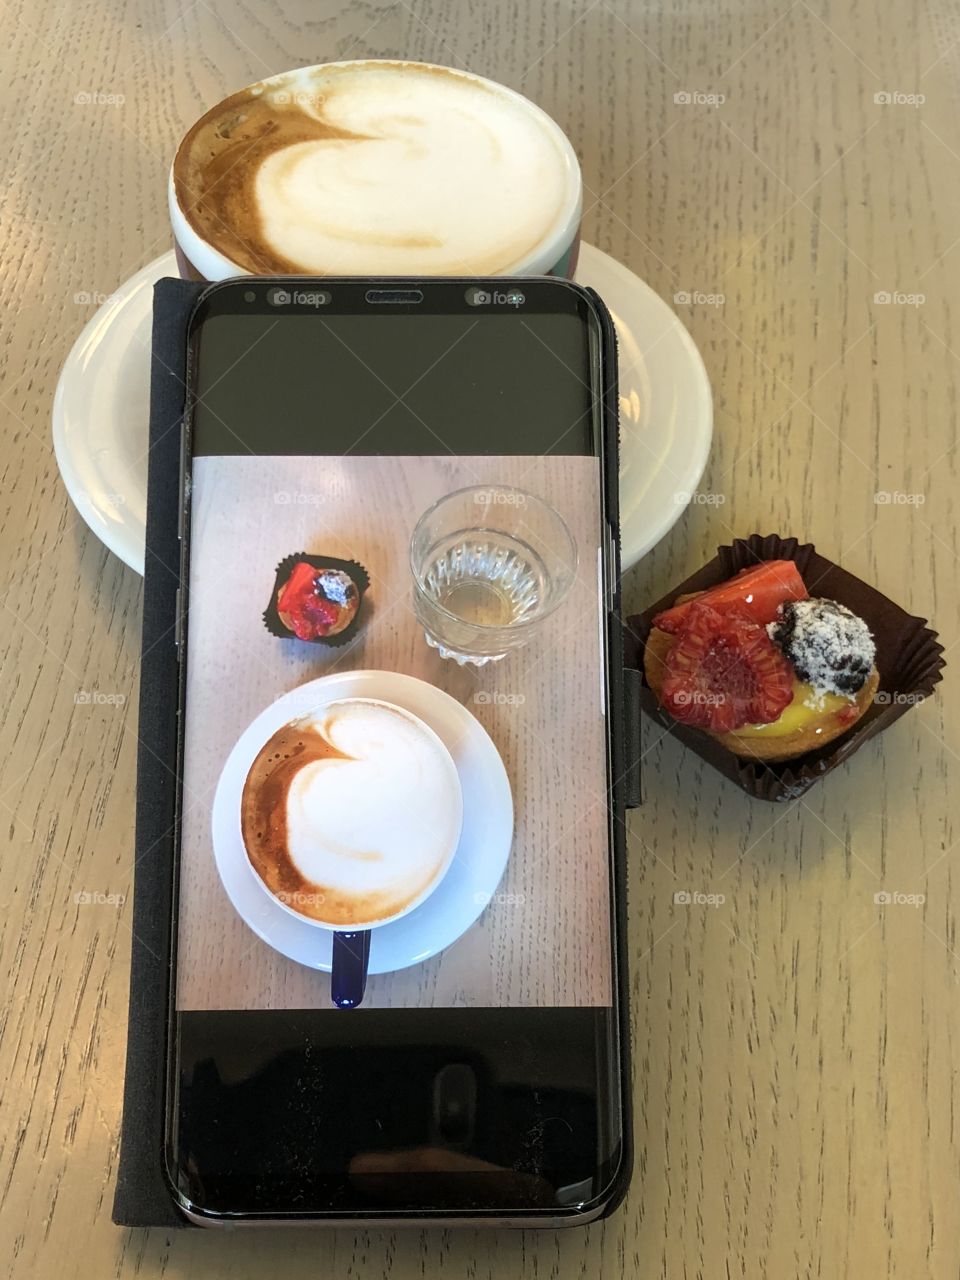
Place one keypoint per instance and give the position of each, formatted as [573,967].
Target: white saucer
[100,410]
[478,864]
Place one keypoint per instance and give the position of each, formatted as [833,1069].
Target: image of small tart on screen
[317,602]
[316,598]
[766,669]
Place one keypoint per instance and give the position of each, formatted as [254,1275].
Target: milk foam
[441,174]
[383,822]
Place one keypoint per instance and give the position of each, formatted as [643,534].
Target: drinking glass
[490,564]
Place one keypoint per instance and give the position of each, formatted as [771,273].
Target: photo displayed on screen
[399,721]
[399,742]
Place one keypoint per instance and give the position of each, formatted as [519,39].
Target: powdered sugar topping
[830,647]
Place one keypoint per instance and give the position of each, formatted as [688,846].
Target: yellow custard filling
[807,705]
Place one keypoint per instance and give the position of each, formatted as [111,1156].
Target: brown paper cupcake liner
[355,570]
[909,661]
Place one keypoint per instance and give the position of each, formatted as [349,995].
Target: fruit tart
[765,669]
[316,598]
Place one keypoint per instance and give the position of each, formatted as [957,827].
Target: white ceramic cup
[553,253]
[456,796]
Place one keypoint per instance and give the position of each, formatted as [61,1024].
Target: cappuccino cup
[381,168]
[351,814]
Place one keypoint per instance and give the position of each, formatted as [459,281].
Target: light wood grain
[534,703]
[796,1047]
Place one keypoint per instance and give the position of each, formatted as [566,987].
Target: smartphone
[398,987]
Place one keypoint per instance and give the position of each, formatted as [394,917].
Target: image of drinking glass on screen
[490,564]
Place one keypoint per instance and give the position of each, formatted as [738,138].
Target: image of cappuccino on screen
[375,168]
[351,815]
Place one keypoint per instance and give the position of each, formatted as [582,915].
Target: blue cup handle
[348,979]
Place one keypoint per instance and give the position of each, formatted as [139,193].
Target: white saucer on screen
[101,407]
[477,867]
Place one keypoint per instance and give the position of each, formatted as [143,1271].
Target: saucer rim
[224,810]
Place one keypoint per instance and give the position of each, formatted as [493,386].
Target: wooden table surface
[794,167]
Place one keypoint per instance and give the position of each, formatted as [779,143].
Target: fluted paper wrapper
[909,662]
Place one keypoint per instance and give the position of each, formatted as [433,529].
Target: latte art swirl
[367,168]
[351,815]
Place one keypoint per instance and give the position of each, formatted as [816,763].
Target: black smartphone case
[142,1197]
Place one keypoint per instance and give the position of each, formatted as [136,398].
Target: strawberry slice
[303,608]
[723,672]
[755,593]
[297,587]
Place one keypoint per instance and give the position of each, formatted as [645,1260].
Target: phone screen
[395,983]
